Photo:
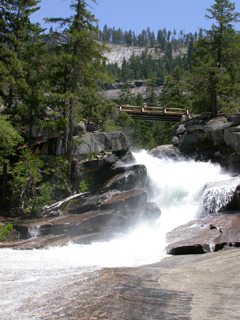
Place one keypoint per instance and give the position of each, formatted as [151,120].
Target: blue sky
[186,15]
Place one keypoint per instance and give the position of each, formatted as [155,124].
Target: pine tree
[9,139]
[84,58]
[174,93]
[32,96]
[125,95]
[15,29]
[151,92]
[216,67]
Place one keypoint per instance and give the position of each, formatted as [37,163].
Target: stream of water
[28,278]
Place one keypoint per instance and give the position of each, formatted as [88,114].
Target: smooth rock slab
[111,199]
[34,243]
[205,235]
[98,142]
[199,287]
[100,225]
[130,199]
[130,177]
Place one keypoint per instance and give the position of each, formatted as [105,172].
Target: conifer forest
[52,78]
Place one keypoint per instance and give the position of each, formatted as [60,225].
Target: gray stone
[220,196]
[79,128]
[112,212]
[203,235]
[209,139]
[190,287]
[132,177]
[232,139]
[167,150]
[237,196]
[98,142]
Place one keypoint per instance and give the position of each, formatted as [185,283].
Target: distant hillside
[119,52]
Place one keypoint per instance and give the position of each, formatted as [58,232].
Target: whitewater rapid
[176,186]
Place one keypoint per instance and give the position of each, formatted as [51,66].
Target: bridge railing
[150,109]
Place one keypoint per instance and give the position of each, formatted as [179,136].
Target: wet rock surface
[167,150]
[112,213]
[221,196]
[179,287]
[127,178]
[204,235]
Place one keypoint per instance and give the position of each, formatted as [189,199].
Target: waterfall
[177,186]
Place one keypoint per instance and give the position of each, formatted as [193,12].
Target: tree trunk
[4,187]
[213,96]
[10,98]
[89,116]
[72,102]
[70,140]
[31,119]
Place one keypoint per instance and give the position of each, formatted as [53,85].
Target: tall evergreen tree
[125,95]
[151,92]
[32,96]
[84,57]
[9,139]
[216,59]
[174,93]
[15,30]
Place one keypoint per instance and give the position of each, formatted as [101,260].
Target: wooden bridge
[154,113]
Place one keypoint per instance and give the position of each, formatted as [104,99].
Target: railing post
[120,108]
[142,109]
[187,112]
[165,110]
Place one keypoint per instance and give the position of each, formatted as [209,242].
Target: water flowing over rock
[90,281]
[220,196]
[167,150]
[87,219]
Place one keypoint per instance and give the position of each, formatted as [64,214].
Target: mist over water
[176,186]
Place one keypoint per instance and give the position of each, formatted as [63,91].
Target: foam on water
[176,186]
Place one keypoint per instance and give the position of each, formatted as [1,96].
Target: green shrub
[5,230]
[84,186]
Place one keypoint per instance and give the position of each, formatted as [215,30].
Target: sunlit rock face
[210,139]
[87,218]
[99,142]
[167,150]
[217,224]
[96,155]
[118,53]
[205,235]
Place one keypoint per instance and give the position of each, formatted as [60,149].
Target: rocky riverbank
[217,226]
[189,287]
[217,140]
[116,200]
[180,287]
[198,281]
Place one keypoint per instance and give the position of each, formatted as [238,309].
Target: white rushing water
[176,186]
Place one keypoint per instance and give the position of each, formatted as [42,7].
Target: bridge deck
[154,113]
